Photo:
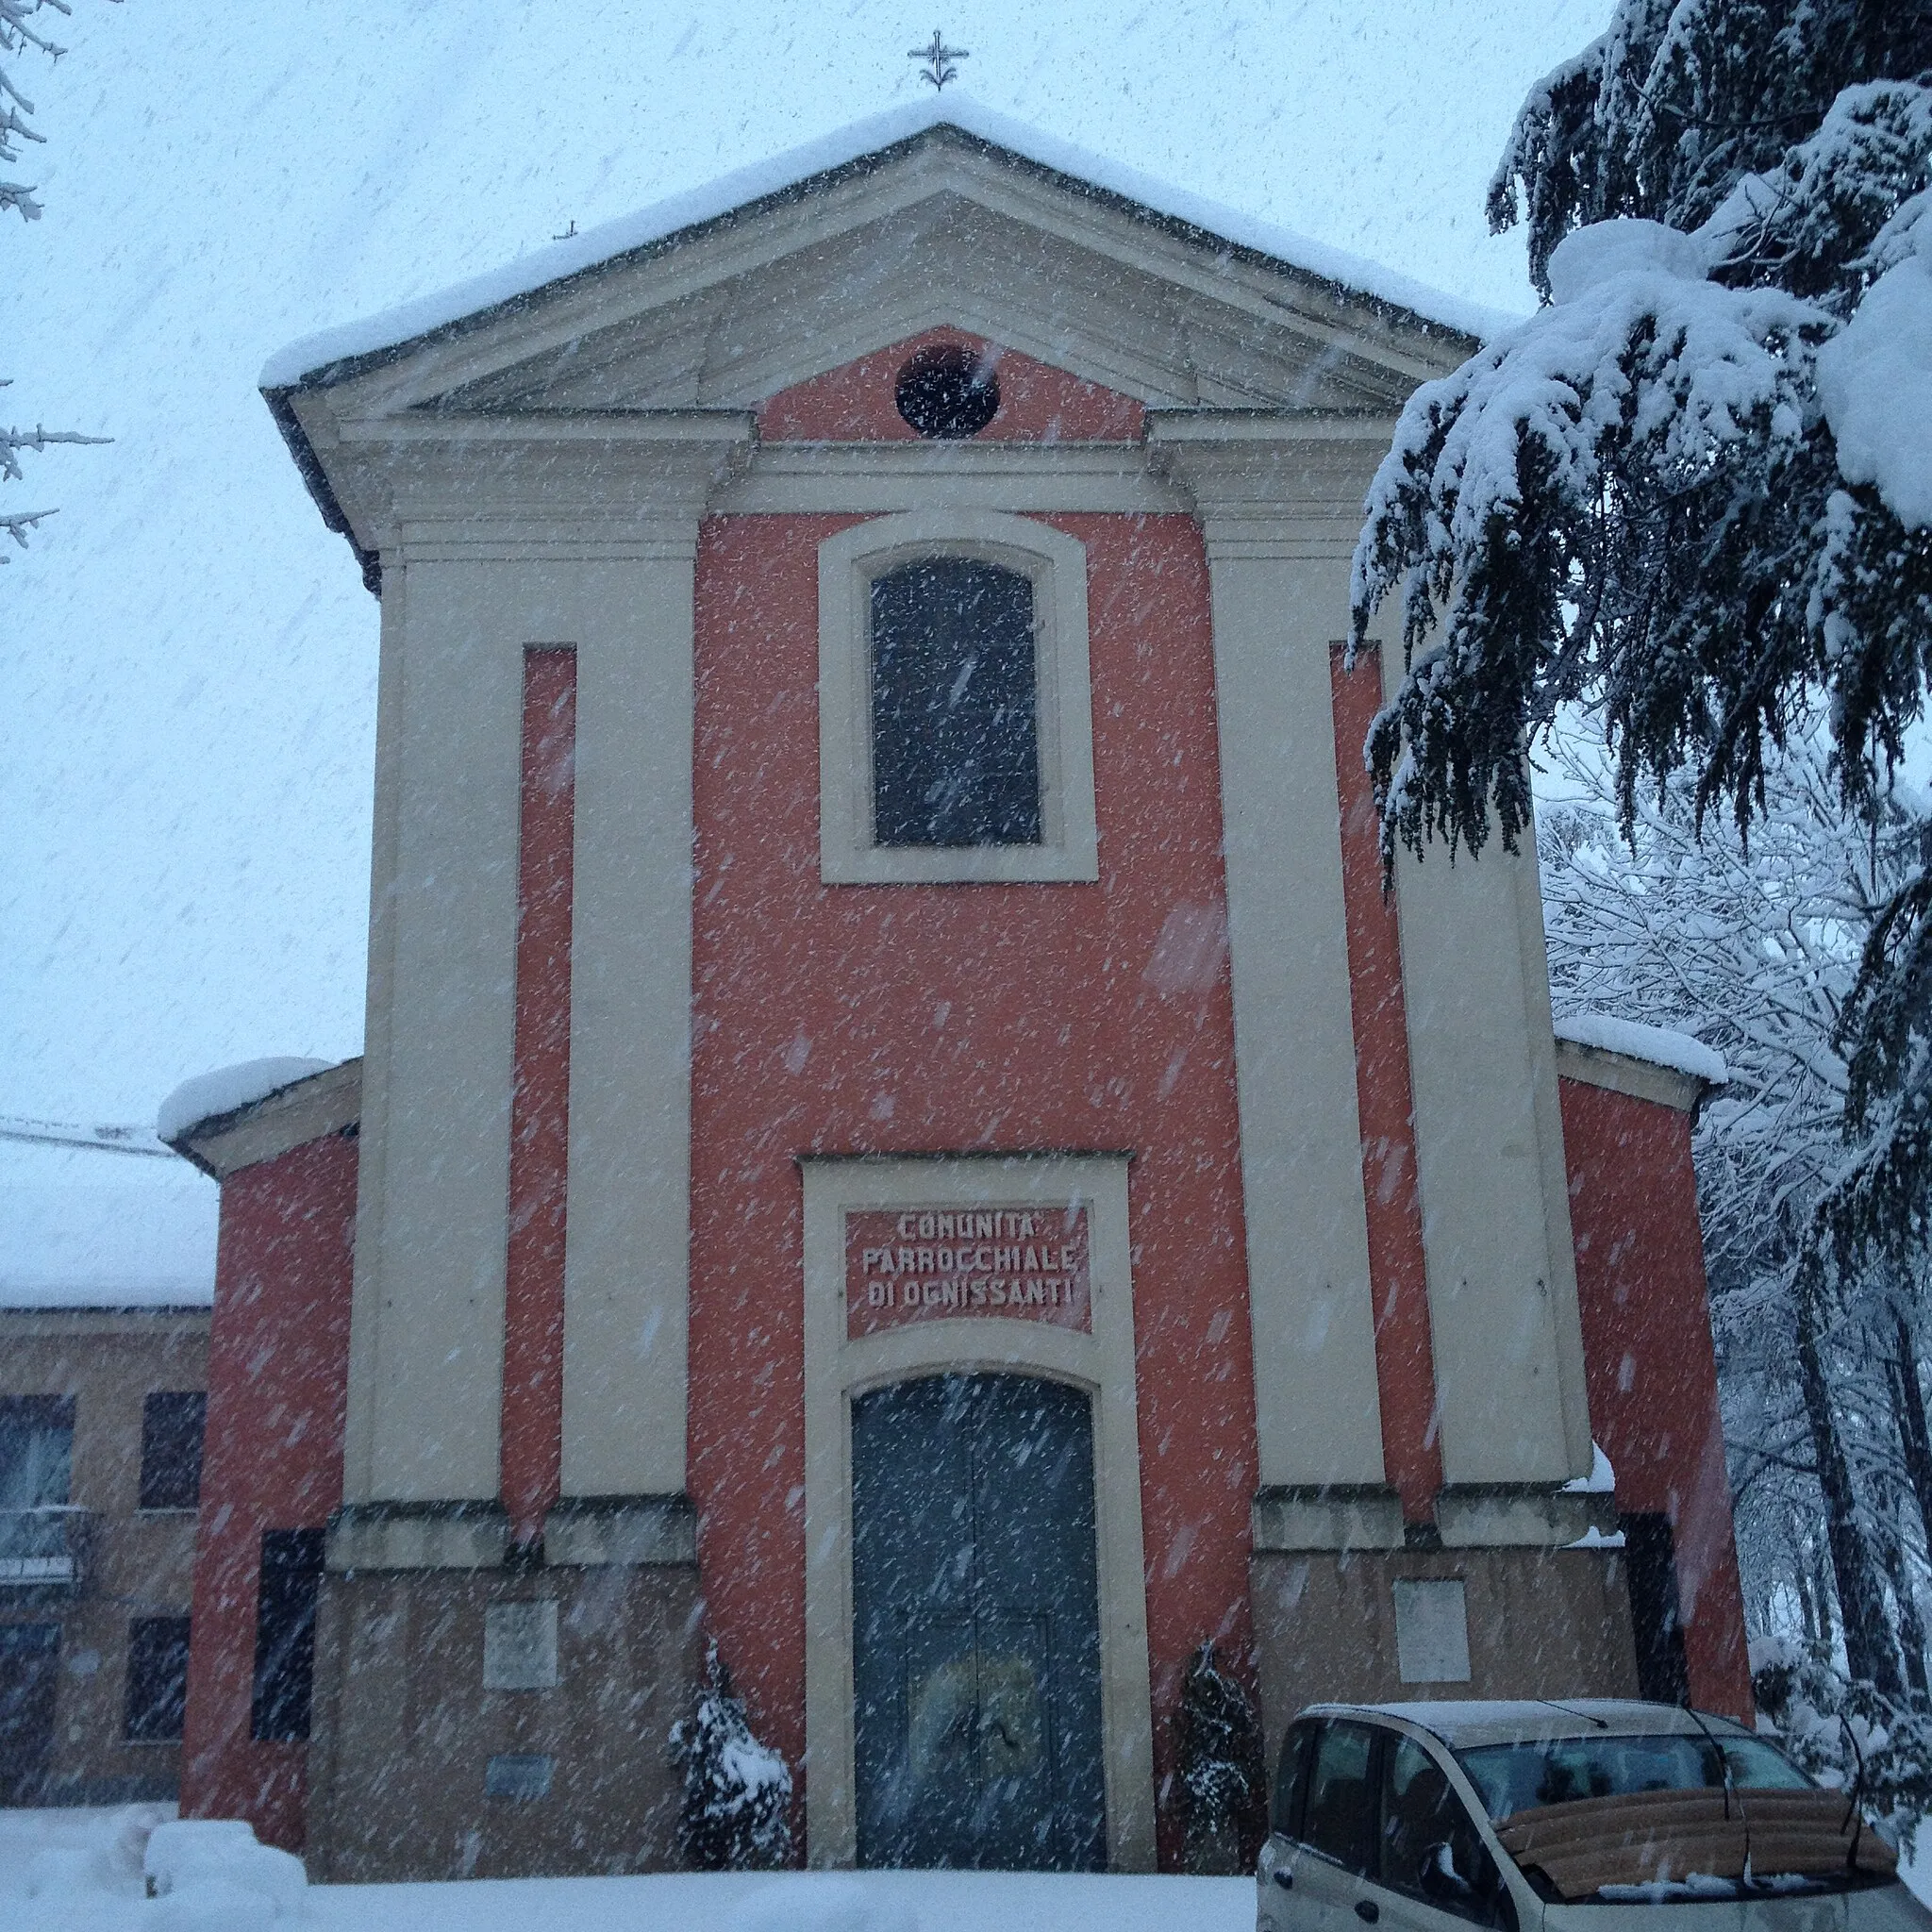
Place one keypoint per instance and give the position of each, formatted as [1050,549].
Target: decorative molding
[1491,1516]
[879,478]
[417,1536]
[1326,1516]
[620,1531]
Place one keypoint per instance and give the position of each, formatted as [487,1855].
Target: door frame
[1101,1364]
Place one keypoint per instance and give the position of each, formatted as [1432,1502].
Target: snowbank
[1876,382]
[835,150]
[226,1089]
[1657,1044]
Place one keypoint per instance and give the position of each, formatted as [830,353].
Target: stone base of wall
[1543,1623]
[405,1730]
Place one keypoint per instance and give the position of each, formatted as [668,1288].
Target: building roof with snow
[1255,281]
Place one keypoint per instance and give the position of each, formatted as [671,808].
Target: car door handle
[1284,1877]
[1367,1911]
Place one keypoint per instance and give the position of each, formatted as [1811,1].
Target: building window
[156,1680]
[956,739]
[285,1635]
[954,749]
[172,1424]
[36,1477]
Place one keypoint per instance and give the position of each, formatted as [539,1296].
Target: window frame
[1068,849]
[156,1438]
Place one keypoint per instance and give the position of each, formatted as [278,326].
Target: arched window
[955,696]
[956,739]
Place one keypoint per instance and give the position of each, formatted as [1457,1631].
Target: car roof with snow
[1466,1723]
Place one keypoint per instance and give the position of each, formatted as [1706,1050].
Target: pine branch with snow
[1694,490]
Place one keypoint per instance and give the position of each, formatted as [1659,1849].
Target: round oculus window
[947,392]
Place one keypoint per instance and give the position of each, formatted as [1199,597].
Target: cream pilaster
[498,533]
[1502,1268]
[1278,499]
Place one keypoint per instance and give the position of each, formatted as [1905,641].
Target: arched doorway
[975,1626]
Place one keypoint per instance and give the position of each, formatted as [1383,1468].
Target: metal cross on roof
[939,58]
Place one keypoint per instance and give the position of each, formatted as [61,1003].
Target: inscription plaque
[933,1264]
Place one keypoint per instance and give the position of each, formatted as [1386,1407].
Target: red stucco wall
[1649,1362]
[908,1019]
[278,1372]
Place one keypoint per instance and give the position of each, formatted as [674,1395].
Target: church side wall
[1650,1360]
[917,1019]
[276,1384]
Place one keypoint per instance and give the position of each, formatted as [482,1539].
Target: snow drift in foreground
[227,1088]
[76,1870]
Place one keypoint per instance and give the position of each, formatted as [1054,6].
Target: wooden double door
[975,1626]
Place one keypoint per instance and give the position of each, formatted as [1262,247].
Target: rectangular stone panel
[1027,1264]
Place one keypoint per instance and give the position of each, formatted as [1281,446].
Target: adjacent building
[900,1130]
[101,1416]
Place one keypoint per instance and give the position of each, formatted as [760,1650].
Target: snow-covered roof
[226,1089]
[797,169]
[1659,1045]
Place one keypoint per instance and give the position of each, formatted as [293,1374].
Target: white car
[1541,1817]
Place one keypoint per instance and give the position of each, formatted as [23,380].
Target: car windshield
[1557,1771]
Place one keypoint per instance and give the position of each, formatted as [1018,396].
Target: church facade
[899,1131]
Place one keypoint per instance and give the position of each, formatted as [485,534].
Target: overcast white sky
[187,657]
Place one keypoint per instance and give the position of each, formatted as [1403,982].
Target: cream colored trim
[1622,1073]
[1337,1517]
[627,1235]
[1260,483]
[1501,1263]
[1102,1363]
[464,1536]
[1510,1518]
[1056,563]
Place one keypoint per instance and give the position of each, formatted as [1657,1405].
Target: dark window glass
[36,1477]
[172,1425]
[1431,1847]
[1291,1780]
[1341,1801]
[156,1680]
[954,746]
[29,1681]
[1662,1675]
[285,1634]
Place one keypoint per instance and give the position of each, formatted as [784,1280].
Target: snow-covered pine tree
[1218,1763]
[1694,490]
[737,1791]
[1753,948]
[18,35]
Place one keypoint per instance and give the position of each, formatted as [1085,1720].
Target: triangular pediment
[944,230]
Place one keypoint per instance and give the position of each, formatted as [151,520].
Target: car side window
[1291,1780]
[1339,1822]
[1430,1847]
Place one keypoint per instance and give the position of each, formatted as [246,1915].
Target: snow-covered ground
[81,1871]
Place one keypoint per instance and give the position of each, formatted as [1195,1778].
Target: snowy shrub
[737,1791]
[210,1874]
[1845,1733]
[1217,1764]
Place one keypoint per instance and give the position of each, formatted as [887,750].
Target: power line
[139,1141]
